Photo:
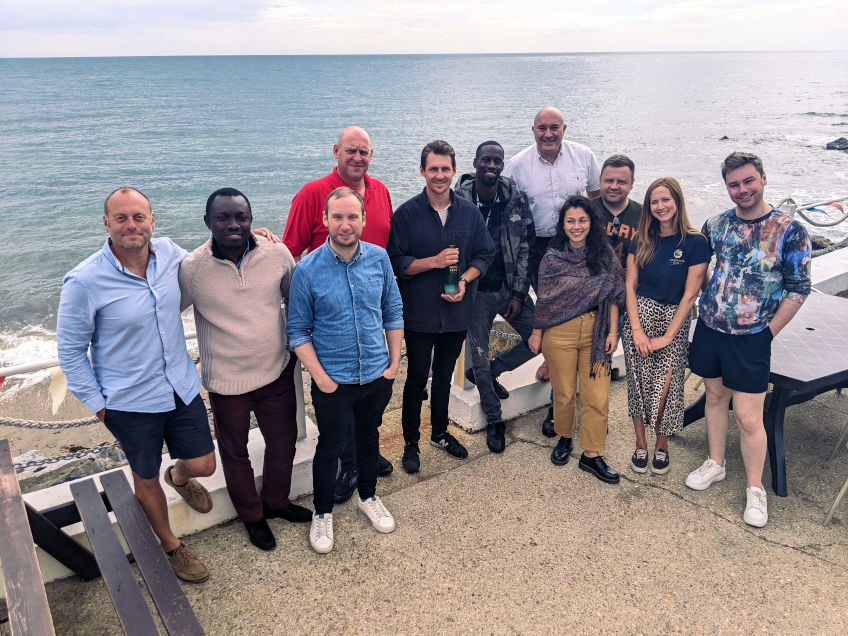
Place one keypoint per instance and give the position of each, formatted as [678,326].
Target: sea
[177,128]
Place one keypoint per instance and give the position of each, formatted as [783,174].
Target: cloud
[200,27]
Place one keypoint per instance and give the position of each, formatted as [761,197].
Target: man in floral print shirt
[761,278]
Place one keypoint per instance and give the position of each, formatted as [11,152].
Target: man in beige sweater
[237,282]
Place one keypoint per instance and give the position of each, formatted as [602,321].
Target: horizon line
[491,54]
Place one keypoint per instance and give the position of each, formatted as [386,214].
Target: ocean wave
[813,113]
[31,344]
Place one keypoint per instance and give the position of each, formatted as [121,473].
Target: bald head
[353,153]
[548,129]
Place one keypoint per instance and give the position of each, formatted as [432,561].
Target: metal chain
[19,468]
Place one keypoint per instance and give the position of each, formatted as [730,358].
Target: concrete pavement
[513,544]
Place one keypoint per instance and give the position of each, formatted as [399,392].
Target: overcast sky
[45,28]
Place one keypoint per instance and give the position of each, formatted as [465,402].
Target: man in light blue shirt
[343,297]
[124,302]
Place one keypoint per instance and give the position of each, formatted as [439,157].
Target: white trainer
[756,510]
[706,474]
[321,533]
[375,510]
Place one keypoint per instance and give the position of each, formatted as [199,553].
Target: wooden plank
[25,594]
[61,547]
[124,590]
[170,600]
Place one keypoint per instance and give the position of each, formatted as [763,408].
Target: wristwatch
[463,279]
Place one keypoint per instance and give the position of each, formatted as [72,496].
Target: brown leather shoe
[186,565]
[543,374]
[195,495]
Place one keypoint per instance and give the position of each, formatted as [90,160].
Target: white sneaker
[706,474]
[756,510]
[321,533]
[375,510]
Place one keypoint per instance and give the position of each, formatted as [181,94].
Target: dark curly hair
[597,247]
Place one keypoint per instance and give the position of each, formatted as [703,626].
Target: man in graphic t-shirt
[761,278]
[619,215]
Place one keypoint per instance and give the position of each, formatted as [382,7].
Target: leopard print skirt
[646,376]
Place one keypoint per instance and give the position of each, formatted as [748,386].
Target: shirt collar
[216,251]
[542,159]
[338,259]
[110,255]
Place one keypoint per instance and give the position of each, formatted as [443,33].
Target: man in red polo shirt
[305,231]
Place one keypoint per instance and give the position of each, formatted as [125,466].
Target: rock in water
[838,144]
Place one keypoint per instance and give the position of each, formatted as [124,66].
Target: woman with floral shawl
[581,291]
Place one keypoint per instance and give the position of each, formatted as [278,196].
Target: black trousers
[442,349]
[358,405]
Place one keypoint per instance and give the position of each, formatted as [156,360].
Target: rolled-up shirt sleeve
[75,326]
[301,314]
[392,303]
[399,246]
[797,259]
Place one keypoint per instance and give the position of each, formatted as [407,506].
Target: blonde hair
[647,235]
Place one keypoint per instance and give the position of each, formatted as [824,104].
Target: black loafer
[500,390]
[384,466]
[495,437]
[292,512]
[548,425]
[598,467]
[260,534]
[562,451]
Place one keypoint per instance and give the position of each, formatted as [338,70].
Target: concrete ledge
[830,272]
[525,394]
[184,520]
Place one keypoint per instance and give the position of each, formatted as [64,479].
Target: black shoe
[548,424]
[291,512]
[598,467]
[410,462]
[495,437]
[562,451]
[450,445]
[659,465]
[499,388]
[384,466]
[260,534]
[345,485]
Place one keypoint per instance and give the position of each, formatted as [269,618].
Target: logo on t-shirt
[677,258]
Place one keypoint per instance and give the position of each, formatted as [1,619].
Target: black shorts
[741,361]
[185,430]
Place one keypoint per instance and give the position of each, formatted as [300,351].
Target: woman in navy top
[666,266]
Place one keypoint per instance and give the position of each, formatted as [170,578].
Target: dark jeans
[442,349]
[275,406]
[488,304]
[361,405]
[537,251]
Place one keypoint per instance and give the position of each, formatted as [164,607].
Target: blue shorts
[185,430]
[742,362]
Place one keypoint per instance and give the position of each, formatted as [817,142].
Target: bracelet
[463,279]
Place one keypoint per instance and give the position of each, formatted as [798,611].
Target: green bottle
[452,278]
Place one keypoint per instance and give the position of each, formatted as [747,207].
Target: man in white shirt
[548,172]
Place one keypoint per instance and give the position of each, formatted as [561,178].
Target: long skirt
[646,375]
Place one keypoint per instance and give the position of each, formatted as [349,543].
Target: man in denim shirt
[343,297]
